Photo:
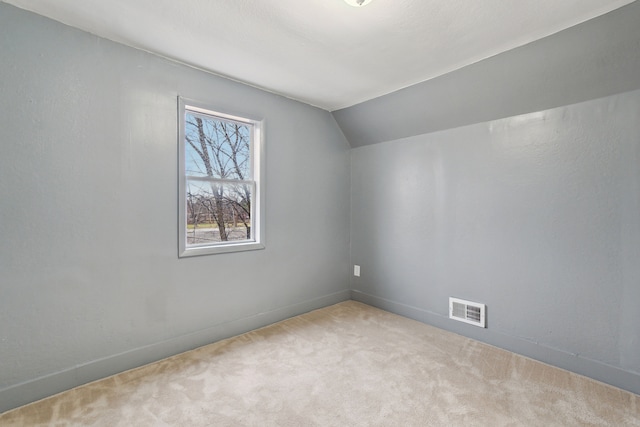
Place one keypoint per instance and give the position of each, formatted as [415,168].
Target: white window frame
[257,167]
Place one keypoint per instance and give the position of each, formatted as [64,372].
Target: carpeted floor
[345,365]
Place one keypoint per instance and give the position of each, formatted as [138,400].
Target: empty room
[319,213]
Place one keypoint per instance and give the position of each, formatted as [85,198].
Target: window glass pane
[217,148]
[218,212]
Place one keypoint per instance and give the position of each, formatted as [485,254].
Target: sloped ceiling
[324,52]
[596,58]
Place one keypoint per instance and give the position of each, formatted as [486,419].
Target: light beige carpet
[345,365]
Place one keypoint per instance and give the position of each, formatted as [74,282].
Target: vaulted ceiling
[324,52]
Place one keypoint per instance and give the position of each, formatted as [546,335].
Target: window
[219,164]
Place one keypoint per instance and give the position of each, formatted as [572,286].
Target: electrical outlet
[356,270]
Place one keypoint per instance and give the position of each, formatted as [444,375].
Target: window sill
[220,249]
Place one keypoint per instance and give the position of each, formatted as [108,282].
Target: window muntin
[219,182]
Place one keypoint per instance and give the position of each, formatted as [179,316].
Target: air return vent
[467,311]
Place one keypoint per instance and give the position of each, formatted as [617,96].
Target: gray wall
[537,216]
[90,280]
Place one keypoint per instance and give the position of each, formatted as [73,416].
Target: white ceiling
[324,52]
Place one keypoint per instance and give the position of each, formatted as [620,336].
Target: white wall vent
[467,311]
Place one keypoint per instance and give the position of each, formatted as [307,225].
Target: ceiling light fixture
[357,3]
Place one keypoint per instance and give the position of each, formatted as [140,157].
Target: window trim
[257,167]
